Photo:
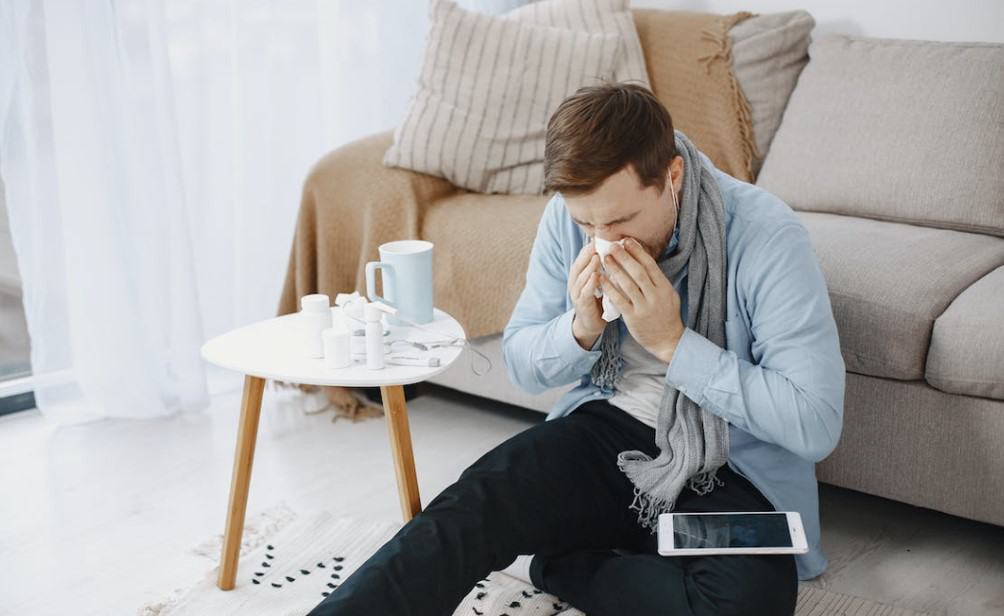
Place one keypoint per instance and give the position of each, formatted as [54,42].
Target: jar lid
[315,302]
[339,320]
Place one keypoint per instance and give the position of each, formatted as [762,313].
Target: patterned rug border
[258,529]
[266,524]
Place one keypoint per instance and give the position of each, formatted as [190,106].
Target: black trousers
[554,490]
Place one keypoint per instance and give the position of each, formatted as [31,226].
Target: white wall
[960,20]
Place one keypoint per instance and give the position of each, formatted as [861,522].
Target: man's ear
[676,172]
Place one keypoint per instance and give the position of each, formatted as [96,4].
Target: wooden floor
[99,519]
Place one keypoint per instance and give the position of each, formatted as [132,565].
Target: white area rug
[290,562]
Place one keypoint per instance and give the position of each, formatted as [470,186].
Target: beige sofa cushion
[967,347]
[907,131]
[888,282]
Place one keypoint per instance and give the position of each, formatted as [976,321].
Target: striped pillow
[486,90]
[609,16]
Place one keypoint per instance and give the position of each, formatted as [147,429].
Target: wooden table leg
[400,442]
[247,433]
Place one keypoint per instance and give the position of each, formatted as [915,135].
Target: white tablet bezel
[795,529]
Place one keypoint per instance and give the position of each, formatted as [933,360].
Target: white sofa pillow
[607,16]
[768,53]
[486,90]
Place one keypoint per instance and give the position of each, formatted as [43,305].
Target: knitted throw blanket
[693,442]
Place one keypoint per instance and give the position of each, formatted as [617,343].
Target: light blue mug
[407,280]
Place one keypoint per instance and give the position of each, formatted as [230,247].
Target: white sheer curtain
[152,153]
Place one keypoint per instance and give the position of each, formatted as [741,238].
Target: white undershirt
[639,389]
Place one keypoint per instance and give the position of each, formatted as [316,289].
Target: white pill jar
[315,317]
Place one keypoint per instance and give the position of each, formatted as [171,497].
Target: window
[15,367]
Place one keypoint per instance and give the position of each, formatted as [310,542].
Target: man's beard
[656,251]
[666,240]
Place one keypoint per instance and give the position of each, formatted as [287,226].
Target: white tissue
[610,311]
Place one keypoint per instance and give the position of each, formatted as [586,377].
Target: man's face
[621,208]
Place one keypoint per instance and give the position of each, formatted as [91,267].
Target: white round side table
[271,349]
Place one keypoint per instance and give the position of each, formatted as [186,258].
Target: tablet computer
[731,532]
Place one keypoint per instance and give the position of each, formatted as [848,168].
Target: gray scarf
[693,442]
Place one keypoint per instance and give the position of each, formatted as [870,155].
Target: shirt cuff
[694,362]
[568,348]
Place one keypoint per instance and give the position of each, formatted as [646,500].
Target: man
[723,406]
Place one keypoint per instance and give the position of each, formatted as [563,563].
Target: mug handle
[388,277]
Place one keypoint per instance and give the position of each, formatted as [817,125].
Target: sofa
[892,155]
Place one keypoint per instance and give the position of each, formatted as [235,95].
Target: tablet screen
[734,530]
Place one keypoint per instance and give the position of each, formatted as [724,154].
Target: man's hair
[599,130]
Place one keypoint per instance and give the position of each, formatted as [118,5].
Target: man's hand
[648,303]
[583,280]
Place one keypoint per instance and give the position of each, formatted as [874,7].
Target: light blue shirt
[779,382]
